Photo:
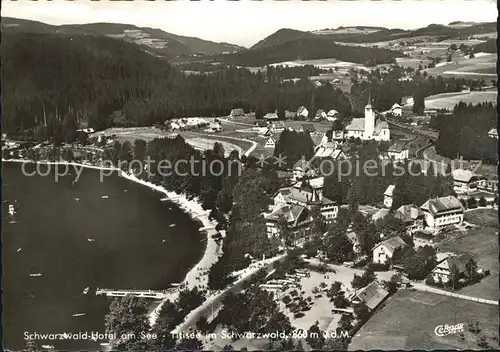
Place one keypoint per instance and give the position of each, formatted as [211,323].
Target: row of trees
[128,316]
[311,48]
[386,92]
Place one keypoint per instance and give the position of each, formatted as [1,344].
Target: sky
[246,22]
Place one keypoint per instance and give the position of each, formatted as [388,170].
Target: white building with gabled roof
[443,211]
[369,127]
[384,250]
[388,194]
[396,110]
[270,143]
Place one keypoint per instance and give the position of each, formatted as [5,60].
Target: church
[368,127]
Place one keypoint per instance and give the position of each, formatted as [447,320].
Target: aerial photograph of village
[249,176]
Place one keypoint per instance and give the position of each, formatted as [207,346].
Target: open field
[323,63]
[407,321]
[449,100]
[482,243]
[482,217]
[482,66]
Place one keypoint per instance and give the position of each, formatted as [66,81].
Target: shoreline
[198,274]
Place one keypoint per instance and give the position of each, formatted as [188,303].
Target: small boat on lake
[12,211]
[48,347]
[91,239]
[35,275]
[77,199]
[19,249]
[79,314]
[104,197]
[171,225]
[86,290]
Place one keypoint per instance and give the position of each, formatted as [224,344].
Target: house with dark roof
[302,112]
[307,196]
[371,295]
[260,126]
[443,270]
[443,211]
[464,180]
[412,216]
[237,113]
[384,250]
[398,151]
[296,216]
[270,116]
[320,115]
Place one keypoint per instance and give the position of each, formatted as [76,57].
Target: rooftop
[357,124]
[389,191]
[461,175]
[392,243]
[397,147]
[372,295]
[408,212]
[442,205]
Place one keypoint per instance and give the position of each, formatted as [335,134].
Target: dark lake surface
[123,241]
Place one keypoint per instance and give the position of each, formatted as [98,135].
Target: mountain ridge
[159,41]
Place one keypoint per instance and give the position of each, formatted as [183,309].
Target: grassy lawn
[407,321]
[449,101]
[482,243]
[482,217]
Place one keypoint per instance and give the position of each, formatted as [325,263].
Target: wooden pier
[152,294]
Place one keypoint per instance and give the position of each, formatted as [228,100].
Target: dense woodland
[465,132]
[490,46]
[311,48]
[65,80]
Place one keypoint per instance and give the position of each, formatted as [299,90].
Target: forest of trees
[489,46]
[309,49]
[56,80]
[465,132]
[345,185]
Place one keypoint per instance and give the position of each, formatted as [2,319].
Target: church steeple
[369,119]
[369,104]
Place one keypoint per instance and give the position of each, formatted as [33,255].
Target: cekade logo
[443,330]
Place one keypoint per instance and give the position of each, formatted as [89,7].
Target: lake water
[131,246]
